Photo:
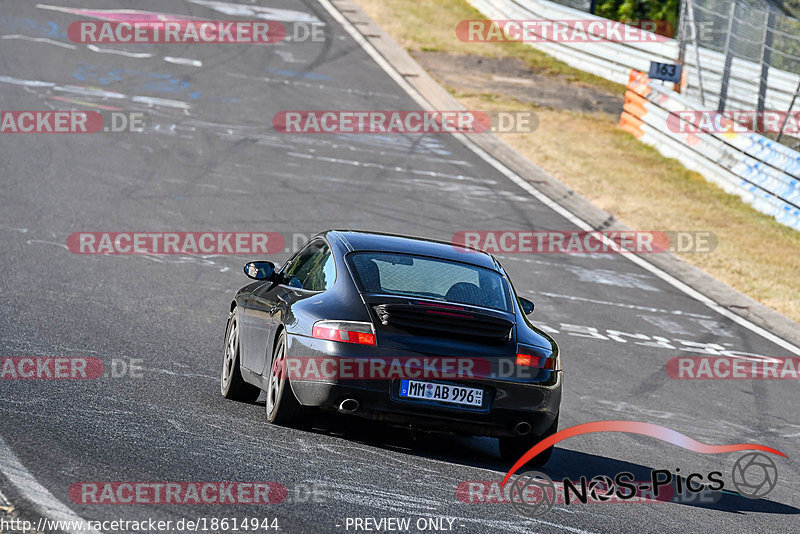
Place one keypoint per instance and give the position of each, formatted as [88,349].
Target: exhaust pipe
[350,406]
[522,428]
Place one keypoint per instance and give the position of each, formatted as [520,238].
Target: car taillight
[528,357]
[345,331]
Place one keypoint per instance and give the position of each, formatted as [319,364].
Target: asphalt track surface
[219,166]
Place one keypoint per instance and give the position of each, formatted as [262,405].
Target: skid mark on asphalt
[621,305]
[393,501]
[215,174]
[183,61]
[377,497]
[89,91]
[339,448]
[607,277]
[259,12]
[706,430]
[98,93]
[158,370]
[627,408]
[421,152]
[612,278]
[197,260]
[468,192]
[786,428]
[371,165]
[405,143]
[315,86]
[42,241]
[42,348]
[134,55]
[202,260]
[44,40]
[98,50]
[664,324]
[26,83]
[655,341]
[287,56]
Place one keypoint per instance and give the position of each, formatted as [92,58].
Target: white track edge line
[564,212]
[44,501]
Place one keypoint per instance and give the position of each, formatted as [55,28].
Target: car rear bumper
[508,401]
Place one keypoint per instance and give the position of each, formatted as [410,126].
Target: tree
[635,10]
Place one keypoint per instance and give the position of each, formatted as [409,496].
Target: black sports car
[406,330]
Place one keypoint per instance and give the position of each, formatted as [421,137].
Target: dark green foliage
[640,10]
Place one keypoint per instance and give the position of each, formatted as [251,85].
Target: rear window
[421,276]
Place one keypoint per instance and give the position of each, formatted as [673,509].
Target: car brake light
[345,331]
[525,358]
[449,314]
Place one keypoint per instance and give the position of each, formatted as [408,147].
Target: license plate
[416,389]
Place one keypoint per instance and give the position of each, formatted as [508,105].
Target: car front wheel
[232,385]
[282,406]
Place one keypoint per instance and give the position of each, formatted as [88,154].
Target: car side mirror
[259,270]
[527,305]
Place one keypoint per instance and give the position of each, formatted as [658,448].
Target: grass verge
[587,151]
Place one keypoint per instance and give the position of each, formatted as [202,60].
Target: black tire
[512,448]
[232,385]
[282,406]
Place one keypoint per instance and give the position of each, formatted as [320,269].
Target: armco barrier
[613,60]
[610,60]
[760,171]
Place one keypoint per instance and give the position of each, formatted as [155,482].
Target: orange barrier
[631,124]
[634,107]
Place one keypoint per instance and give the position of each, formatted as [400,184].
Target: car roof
[355,240]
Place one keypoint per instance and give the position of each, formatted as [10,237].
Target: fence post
[681,42]
[697,53]
[766,52]
[726,71]
[786,117]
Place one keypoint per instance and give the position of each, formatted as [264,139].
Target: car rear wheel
[512,448]
[232,385]
[282,406]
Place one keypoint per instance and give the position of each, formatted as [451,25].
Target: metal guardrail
[762,172]
[613,60]
[745,164]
